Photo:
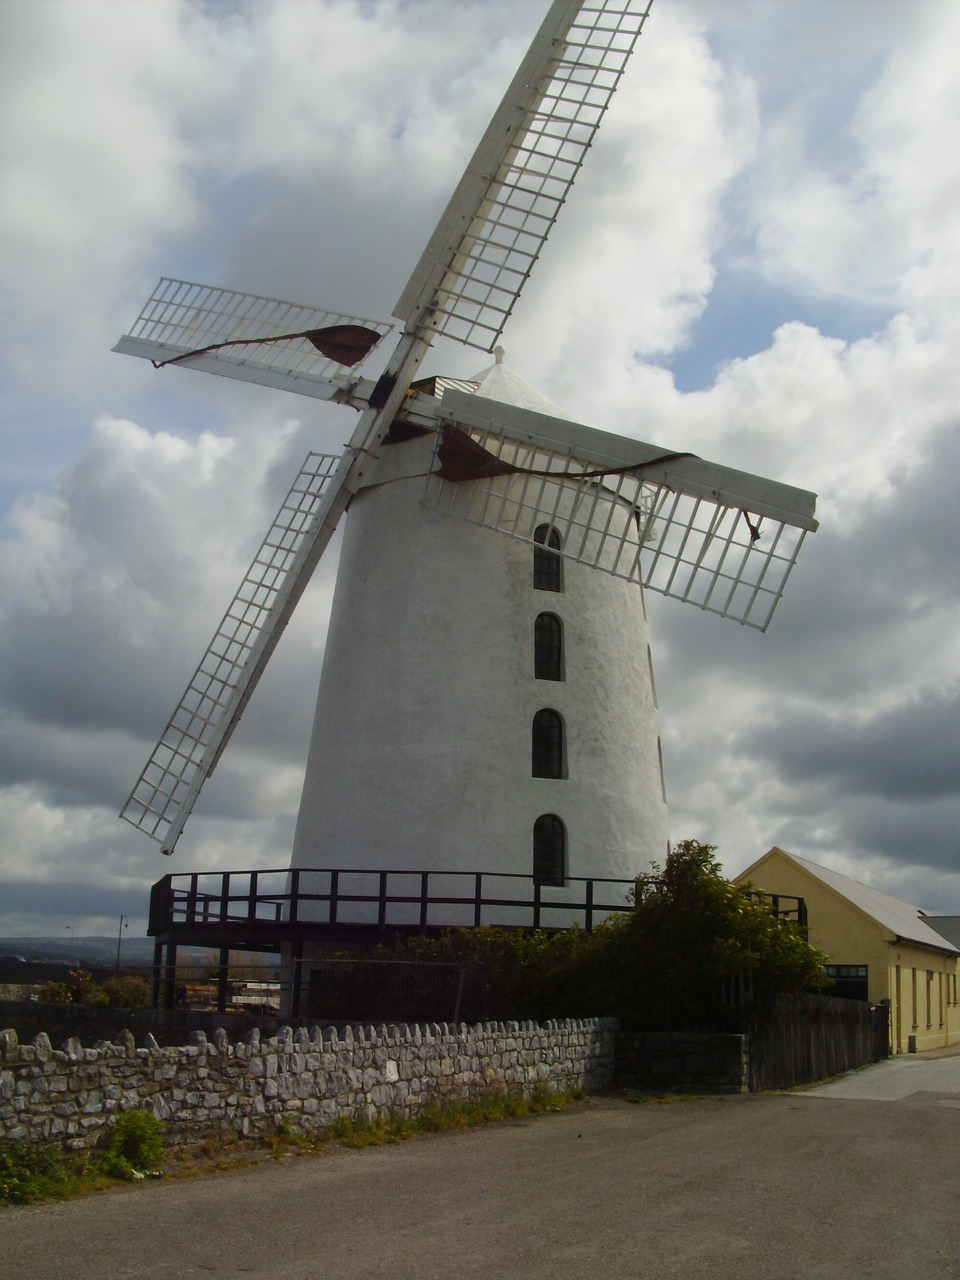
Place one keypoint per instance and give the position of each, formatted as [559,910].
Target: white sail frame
[180,318]
[486,243]
[719,539]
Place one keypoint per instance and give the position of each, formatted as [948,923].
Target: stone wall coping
[384,1034]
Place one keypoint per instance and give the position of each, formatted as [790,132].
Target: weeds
[129,1149]
[31,1171]
[446,1115]
[645,1099]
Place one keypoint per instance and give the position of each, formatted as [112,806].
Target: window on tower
[547,562]
[548,753]
[549,850]
[548,647]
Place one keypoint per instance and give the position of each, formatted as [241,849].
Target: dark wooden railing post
[588,908]
[252,901]
[536,904]
[382,906]
[192,900]
[224,897]
[334,892]
[477,898]
[424,898]
[294,896]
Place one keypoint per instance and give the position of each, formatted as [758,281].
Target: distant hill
[80,951]
[101,953]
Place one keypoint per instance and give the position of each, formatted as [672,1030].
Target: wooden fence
[804,1038]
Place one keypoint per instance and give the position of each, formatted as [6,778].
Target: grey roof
[948,926]
[901,918]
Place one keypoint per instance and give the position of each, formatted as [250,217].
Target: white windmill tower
[486,703]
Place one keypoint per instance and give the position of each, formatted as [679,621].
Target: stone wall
[683,1061]
[311,1077]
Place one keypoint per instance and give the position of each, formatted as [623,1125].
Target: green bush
[127,993]
[130,1146]
[122,992]
[54,993]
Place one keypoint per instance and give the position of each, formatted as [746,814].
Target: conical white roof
[502,384]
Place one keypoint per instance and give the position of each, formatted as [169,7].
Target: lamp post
[123,925]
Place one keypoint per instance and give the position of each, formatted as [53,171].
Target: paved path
[932,1077]
[767,1187]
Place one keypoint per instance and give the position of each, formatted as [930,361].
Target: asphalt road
[797,1186]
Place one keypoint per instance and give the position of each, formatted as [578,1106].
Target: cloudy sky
[760,264]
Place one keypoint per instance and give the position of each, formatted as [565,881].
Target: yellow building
[879,948]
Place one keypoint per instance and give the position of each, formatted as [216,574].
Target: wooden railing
[265,901]
[268,901]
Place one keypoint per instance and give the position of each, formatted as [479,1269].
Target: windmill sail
[206,715]
[485,245]
[720,539]
[245,336]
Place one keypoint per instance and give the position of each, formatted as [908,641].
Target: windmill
[486,702]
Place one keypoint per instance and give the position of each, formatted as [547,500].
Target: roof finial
[499,353]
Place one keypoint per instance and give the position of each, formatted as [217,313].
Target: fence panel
[800,1039]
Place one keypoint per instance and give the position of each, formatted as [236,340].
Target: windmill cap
[500,383]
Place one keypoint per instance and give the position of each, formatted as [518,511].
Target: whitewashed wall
[421,748]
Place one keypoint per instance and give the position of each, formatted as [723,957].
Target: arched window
[548,647]
[547,562]
[549,850]
[548,753]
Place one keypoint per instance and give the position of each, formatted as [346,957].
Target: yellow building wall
[920,983]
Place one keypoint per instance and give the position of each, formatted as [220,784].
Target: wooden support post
[157,970]
[296,975]
[170,977]
[223,979]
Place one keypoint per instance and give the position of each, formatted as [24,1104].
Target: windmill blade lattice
[722,540]
[205,717]
[485,245]
[181,319]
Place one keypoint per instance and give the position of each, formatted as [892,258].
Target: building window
[549,850]
[547,562]
[929,997]
[548,751]
[849,980]
[548,647]
[913,997]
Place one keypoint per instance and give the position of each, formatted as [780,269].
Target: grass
[131,1147]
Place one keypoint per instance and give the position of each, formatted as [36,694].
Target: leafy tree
[692,934]
[127,992]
